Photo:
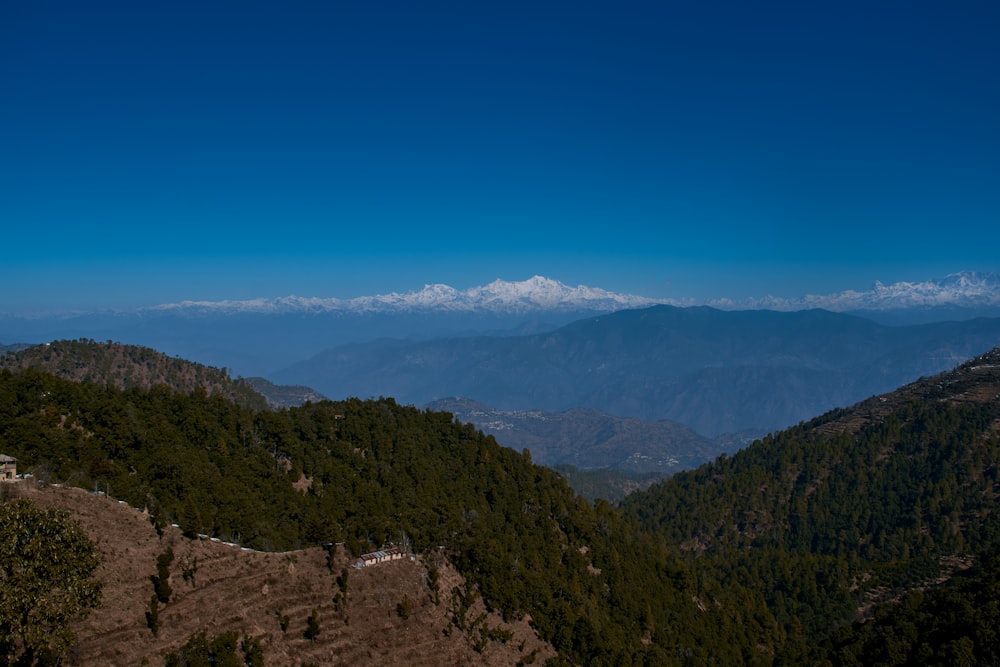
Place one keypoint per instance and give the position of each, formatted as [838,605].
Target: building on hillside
[8,467]
[376,557]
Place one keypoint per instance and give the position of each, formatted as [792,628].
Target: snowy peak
[969,288]
[500,296]
[966,289]
[547,294]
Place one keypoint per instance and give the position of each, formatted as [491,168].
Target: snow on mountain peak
[966,289]
[499,296]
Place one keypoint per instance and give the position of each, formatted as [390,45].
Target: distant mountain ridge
[965,289]
[283,396]
[500,296]
[714,371]
[259,337]
[588,439]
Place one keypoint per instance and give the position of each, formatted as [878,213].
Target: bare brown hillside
[252,593]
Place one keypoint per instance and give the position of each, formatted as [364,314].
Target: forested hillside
[883,511]
[128,366]
[367,472]
[831,518]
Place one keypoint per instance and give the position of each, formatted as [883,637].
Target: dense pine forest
[833,518]
[838,541]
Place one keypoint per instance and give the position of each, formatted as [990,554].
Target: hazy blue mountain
[281,396]
[587,438]
[257,344]
[256,337]
[715,371]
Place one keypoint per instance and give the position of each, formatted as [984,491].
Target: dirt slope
[249,592]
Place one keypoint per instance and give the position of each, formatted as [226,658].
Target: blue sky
[154,152]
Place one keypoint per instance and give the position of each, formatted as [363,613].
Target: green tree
[153,615]
[253,653]
[405,607]
[46,568]
[312,625]
[220,651]
[161,580]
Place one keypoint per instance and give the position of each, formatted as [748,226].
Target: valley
[716,372]
[782,551]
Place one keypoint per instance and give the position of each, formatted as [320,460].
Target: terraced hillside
[218,588]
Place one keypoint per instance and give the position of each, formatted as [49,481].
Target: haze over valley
[728,372]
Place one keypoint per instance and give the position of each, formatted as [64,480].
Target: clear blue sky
[153,152]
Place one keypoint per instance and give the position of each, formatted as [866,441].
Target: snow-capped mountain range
[966,289]
[259,337]
[959,290]
[500,296]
